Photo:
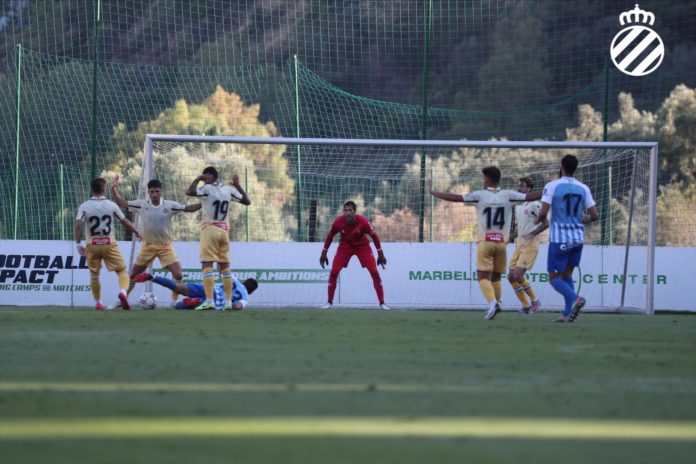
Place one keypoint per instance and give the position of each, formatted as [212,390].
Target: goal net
[298,187]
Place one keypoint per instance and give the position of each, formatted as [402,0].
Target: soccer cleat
[577,307]
[384,307]
[191,302]
[124,301]
[536,304]
[227,306]
[327,305]
[116,305]
[99,307]
[524,310]
[492,311]
[205,305]
[144,277]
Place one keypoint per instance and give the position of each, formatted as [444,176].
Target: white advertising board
[423,275]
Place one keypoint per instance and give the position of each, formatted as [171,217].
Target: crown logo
[636,15]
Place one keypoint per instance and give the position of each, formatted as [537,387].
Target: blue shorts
[196,290]
[562,255]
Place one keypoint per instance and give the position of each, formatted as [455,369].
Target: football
[148,301]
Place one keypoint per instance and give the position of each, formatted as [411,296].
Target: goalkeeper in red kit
[353,228]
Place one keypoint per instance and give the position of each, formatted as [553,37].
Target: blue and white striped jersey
[568,198]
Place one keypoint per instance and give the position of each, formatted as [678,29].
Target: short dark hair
[527,181]
[98,185]
[492,173]
[570,164]
[352,204]
[211,171]
[154,184]
[251,284]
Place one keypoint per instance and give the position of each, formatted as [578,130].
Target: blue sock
[163,281]
[570,282]
[562,287]
[181,305]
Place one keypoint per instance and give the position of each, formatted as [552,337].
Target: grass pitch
[344,386]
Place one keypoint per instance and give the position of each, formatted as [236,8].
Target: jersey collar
[103,197]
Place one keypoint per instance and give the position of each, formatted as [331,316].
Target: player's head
[154,190]
[525,185]
[569,164]
[212,172]
[251,285]
[491,176]
[349,209]
[98,186]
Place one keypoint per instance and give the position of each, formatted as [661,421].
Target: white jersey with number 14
[494,212]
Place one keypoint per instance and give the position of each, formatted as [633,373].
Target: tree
[263,168]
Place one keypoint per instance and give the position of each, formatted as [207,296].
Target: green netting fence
[94,76]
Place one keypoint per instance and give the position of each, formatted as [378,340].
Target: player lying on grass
[494,212]
[155,215]
[353,228]
[195,293]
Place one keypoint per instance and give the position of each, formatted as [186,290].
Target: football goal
[298,186]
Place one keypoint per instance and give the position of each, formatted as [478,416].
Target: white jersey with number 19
[216,202]
[494,212]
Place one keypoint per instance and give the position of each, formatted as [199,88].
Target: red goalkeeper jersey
[352,235]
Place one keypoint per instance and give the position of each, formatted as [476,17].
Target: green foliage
[263,168]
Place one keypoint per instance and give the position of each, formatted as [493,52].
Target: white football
[148,301]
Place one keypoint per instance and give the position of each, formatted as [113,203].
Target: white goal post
[626,173]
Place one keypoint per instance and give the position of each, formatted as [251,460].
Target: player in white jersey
[97,214]
[567,198]
[155,216]
[215,240]
[526,247]
[494,213]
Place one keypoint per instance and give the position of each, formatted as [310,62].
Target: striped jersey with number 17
[568,198]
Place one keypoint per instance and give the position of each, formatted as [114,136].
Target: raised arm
[455,197]
[192,208]
[245,198]
[115,182]
[191,190]
[533,196]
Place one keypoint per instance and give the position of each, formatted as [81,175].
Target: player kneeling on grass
[353,228]
[195,293]
[526,248]
[98,214]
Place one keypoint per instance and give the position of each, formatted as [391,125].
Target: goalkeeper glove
[381,259]
[81,249]
[323,260]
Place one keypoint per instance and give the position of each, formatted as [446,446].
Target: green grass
[344,386]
